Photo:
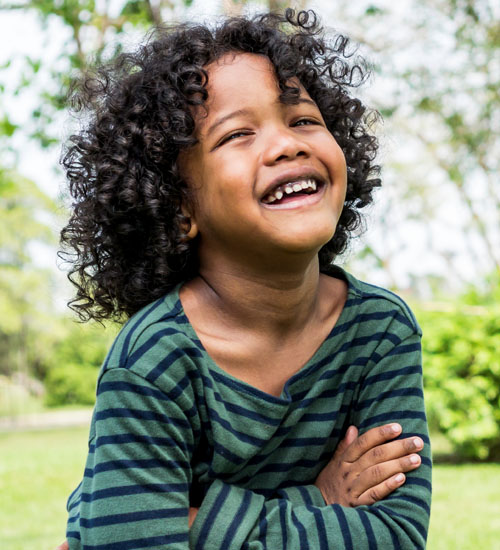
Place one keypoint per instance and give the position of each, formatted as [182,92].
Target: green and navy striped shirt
[171,429]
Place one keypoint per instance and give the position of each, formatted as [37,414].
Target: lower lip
[297,201]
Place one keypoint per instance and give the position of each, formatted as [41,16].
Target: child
[258,397]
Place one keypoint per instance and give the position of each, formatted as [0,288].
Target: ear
[189,227]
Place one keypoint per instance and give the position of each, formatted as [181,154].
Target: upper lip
[294,174]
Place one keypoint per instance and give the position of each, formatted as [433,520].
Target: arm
[134,493]
[362,471]
[390,390]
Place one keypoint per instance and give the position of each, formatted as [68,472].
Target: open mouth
[292,191]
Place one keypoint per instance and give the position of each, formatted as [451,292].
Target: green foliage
[487,293]
[73,365]
[462,378]
[35,339]
[71,383]
[25,299]
[7,128]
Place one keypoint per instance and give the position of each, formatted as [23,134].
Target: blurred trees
[463,104]
[74,363]
[438,87]
[438,82]
[36,340]
[25,289]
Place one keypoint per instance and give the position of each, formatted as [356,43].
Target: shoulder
[377,306]
[155,340]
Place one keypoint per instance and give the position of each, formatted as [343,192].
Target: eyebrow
[241,112]
[221,120]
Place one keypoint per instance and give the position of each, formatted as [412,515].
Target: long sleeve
[390,390]
[135,490]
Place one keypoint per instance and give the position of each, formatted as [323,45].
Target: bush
[73,367]
[462,378]
[71,384]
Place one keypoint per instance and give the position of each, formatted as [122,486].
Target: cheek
[338,156]
[338,169]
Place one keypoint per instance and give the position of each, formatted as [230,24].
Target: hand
[63,546]
[366,469]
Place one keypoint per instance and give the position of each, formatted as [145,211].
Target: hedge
[461,351]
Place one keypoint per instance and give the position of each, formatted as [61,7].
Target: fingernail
[418,443]
[399,478]
[414,459]
[396,428]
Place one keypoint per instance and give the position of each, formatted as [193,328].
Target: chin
[310,243]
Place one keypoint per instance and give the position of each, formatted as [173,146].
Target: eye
[231,137]
[306,122]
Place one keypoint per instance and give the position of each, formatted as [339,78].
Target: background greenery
[434,236]
[462,379]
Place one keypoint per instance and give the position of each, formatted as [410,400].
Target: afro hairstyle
[125,240]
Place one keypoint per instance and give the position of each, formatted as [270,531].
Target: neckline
[236,383]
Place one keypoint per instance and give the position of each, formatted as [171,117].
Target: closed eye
[306,122]
[231,137]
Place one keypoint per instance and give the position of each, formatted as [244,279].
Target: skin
[259,292]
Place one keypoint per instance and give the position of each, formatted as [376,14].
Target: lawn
[37,472]
[39,469]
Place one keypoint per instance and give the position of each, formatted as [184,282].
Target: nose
[283,144]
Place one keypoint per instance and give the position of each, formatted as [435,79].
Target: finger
[382,490]
[63,546]
[379,473]
[350,436]
[390,451]
[370,439]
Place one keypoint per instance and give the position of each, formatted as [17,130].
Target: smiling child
[257,396]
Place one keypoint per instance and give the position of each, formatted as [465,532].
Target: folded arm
[299,518]
[135,490]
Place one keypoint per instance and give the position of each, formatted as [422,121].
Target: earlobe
[193,229]
[189,226]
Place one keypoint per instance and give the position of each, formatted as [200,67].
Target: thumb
[63,546]
[350,436]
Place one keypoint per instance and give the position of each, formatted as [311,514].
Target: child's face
[252,151]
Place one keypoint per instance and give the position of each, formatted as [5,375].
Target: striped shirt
[171,429]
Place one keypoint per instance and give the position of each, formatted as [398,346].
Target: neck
[278,301]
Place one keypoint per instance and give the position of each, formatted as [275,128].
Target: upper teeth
[289,188]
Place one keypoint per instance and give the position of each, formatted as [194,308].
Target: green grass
[39,469]
[465,507]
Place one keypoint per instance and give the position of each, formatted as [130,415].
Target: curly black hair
[125,239]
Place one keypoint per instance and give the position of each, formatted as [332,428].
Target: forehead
[241,79]
[239,68]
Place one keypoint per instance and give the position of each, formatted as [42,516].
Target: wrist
[323,493]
